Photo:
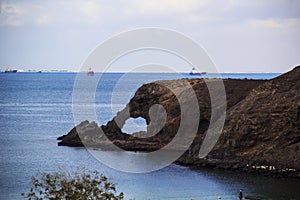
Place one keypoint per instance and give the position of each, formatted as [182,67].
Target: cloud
[43,20]
[91,12]
[245,27]
[89,9]
[98,12]
[263,9]
[41,13]
[20,13]
[11,14]
[284,24]
[165,7]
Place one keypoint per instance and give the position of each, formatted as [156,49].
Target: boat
[90,72]
[9,70]
[194,72]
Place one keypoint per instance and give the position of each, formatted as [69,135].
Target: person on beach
[241,195]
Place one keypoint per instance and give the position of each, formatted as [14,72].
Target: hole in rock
[133,125]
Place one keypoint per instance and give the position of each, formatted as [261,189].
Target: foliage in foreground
[80,186]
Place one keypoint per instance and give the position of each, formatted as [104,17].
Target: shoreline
[252,140]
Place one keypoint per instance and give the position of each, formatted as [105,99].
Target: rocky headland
[260,134]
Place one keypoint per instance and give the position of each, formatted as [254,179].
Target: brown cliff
[159,92]
[261,130]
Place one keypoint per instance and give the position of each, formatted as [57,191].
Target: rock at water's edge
[261,131]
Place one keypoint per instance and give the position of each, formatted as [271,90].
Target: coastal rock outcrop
[261,131]
[149,95]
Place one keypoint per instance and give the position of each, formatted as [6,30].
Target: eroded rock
[261,126]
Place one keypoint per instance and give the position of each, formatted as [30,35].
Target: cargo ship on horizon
[9,70]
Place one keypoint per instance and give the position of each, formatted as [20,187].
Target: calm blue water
[37,108]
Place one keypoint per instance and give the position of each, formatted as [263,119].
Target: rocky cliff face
[264,128]
[147,96]
[261,130]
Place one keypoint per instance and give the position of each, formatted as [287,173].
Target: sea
[36,108]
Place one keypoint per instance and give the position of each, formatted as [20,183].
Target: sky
[238,35]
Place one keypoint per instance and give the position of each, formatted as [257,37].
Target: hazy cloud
[165,7]
[247,27]
[11,14]
[19,13]
[284,24]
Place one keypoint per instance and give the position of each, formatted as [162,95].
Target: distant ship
[90,72]
[194,72]
[9,70]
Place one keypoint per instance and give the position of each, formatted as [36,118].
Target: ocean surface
[36,108]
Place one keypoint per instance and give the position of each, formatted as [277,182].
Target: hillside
[260,135]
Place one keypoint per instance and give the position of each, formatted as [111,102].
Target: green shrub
[79,186]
